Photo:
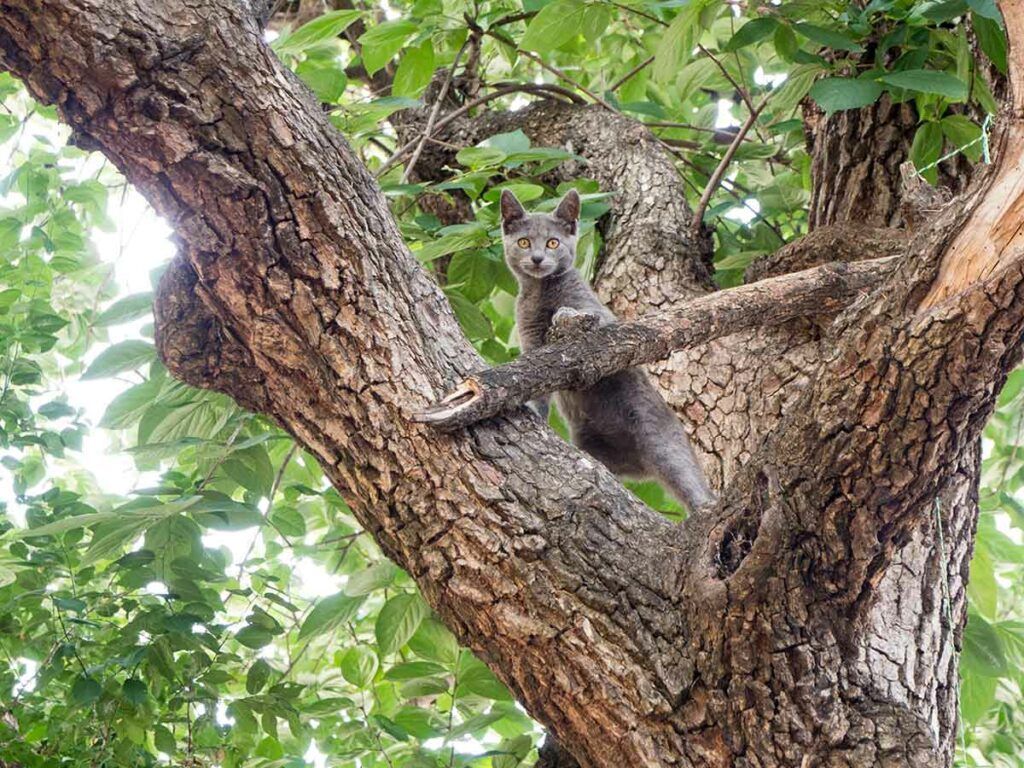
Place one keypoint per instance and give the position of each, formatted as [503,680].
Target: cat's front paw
[568,321]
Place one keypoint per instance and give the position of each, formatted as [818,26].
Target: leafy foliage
[227,609]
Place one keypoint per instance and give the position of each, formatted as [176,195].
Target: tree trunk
[795,624]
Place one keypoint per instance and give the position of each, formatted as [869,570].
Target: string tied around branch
[982,139]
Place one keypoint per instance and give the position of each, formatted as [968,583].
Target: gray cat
[621,421]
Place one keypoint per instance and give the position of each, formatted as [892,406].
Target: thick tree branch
[580,362]
[909,383]
[314,311]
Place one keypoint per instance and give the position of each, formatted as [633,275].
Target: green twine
[947,604]
[982,139]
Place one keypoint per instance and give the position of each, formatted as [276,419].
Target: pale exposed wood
[993,237]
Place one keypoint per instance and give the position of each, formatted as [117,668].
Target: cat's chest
[533,320]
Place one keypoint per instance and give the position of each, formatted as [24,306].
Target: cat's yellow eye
[553,243]
[523,242]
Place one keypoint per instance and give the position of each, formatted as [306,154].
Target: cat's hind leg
[670,460]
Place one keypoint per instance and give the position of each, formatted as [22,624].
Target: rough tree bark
[777,629]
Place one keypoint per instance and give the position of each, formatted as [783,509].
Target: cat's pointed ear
[511,208]
[568,210]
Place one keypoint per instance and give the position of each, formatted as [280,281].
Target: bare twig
[469,105]
[270,504]
[434,112]
[743,92]
[723,165]
[639,12]
[629,75]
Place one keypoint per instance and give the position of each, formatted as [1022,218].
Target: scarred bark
[773,630]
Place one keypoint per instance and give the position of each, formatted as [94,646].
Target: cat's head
[539,244]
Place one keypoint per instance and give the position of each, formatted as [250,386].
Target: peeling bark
[774,630]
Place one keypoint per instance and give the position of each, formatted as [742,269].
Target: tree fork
[736,638]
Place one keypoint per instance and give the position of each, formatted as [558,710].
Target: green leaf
[8,297]
[555,25]
[752,32]
[678,41]
[982,588]
[480,157]
[359,665]
[125,356]
[596,18]
[382,42]
[434,641]
[983,652]
[474,273]
[421,723]
[326,78]
[270,748]
[964,133]
[127,408]
[398,621]
[829,38]
[288,521]
[977,695]
[414,70]
[986,9]
[928,81]
[163,740]
[9,125]
[254,637]
[796,87]
[224,514]
[786,44]
[992,40]
[128,308]
[475,724]
[329,613]
[699,73]
[477,679]
[135,691]
[112,530]
[926,149]
[371,579]
[835,94]
[509,143]
[412,670]
[322,28]
[257,677]
[85,690]
[474,323]
[456,238]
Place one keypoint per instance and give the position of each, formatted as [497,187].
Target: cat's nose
[537,259]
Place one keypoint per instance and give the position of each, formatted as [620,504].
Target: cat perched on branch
[621,420]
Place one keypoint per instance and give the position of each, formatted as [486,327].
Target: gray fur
[621,421]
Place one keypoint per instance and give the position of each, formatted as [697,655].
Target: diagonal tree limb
[581,362]
[909,380]
[336,331]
